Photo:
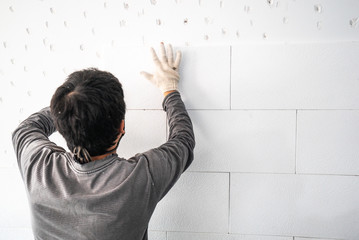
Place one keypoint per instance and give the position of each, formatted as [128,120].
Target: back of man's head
[88,109]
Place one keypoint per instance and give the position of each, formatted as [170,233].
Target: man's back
[98,200]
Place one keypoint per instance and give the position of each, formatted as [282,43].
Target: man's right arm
[167,162]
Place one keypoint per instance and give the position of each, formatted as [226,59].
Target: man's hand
[166,74]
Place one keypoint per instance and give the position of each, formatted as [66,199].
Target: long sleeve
[170,160]
[31,138]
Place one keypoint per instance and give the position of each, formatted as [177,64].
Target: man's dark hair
[88,109]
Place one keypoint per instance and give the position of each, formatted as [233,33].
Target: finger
[178,59]
[163,53]
[155,58]
[170,55]
[147,75]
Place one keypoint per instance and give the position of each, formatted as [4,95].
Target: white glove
[166,74]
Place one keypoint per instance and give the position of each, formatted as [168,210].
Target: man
[91,193]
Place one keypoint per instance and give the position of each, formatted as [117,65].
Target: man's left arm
[31,137]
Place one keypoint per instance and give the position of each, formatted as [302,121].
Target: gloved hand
[166,74]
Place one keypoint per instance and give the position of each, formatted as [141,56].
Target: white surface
[295,76]
[205,79]
[295,205]
[197,83]
[208,22]
[16,234]
[197,203]
[244,141]
[154,235]
[208,236]
[300,238]
[328,142]
[15,212]
[144,130]
[126,63]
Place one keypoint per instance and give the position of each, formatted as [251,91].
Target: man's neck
[99,157]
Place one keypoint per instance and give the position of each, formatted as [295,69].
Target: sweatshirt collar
[93,166]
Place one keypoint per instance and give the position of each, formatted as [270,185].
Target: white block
[16,233]
[295,205]
[198,84]
[295,76]
[300,238]
[14,209]
[216,236]
[244,141]
[154,235]
[126,63]
[144,130]
[197,203]
[196,236]
[205,81]
[328,142]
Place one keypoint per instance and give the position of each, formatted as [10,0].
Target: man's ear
[122,127]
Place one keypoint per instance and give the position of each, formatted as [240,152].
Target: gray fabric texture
[111,198]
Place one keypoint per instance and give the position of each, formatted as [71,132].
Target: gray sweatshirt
[112,198]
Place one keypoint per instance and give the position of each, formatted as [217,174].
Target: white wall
[272,87]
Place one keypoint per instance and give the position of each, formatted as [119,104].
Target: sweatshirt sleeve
[167,162]
[30,138]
